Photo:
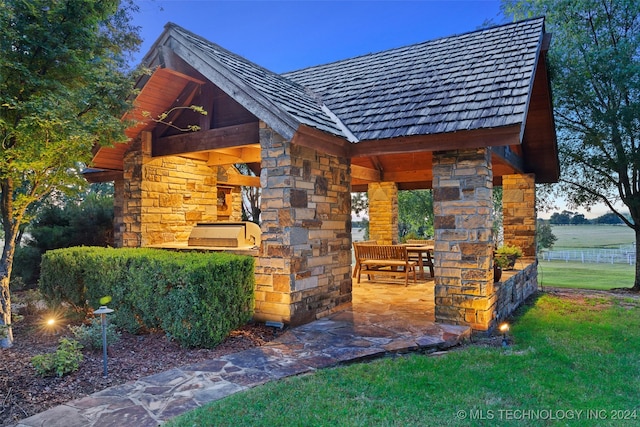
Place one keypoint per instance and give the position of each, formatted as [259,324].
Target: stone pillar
[383,212]
[462,203]
[131,226]
[303,270]
[519,212]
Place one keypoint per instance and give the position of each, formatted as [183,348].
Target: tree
[595,75]
[85,220]
[415,213]
[63,88]
[544,235]
[608,218]
[250,197]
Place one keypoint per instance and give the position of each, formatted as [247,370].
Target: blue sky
[289,35]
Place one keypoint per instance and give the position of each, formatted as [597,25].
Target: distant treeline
[575,218]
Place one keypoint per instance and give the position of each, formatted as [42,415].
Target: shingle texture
[294,99]
[470,81]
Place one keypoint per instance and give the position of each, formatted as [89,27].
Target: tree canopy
[595,74]
[64,85]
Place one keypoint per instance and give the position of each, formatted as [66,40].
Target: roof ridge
[426,42]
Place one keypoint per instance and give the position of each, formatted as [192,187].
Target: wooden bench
[356,268]
[384,259]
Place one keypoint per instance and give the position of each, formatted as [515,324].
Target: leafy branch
[162,118]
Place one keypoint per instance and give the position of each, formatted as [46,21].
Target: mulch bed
[23,393]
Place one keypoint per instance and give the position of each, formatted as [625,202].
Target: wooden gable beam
[230,136]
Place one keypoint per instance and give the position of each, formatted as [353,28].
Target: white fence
[622,255]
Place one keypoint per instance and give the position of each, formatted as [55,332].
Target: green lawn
[587,276]
[571,363]
[592,236]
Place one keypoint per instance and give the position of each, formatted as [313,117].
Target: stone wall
[519,212]
[462,204]
[383,212]
[161,199]
[516,288]
[303,270]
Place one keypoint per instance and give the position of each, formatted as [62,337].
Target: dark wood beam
[323,142]
[230,136]
[506,135]
[506,155]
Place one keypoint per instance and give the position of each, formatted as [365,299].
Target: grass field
[592,236]
[572,362]
[588,276]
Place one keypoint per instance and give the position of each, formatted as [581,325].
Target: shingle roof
[294,99]
[476,80]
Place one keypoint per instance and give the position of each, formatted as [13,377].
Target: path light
[103,311]
[504,328]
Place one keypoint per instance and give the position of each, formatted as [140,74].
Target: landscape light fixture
[103,311]
[504,328]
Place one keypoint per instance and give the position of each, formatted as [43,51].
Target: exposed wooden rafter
[230,136]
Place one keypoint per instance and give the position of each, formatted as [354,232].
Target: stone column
[134,158]
[303,270]
[383,212]
[462,202]
[519,212]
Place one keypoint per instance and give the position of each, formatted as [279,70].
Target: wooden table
[420,250]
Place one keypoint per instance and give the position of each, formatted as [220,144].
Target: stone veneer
[519,212]
[516,287]
[383,212]
[161,199]
[463,255]
[303,271]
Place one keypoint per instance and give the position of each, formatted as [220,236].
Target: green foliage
[64,360]
[88,222]
[90,335]
[64,87]
[544,235]
[196,298]
[415,213]
[505,256]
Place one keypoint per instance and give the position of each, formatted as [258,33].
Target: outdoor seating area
[392,260]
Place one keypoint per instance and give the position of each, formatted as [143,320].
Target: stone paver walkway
[383,319]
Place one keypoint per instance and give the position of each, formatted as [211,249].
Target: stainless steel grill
[238,235]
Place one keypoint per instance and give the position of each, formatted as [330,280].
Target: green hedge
[195,298]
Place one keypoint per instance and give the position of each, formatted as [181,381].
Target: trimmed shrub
[195,298]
